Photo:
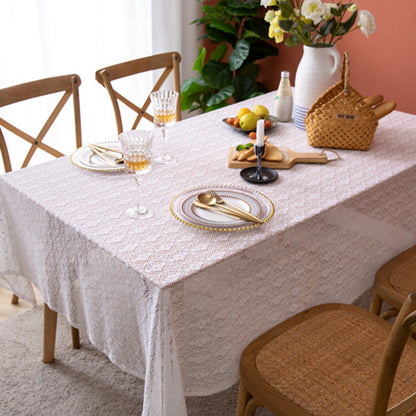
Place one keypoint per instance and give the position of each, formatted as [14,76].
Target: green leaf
[244,86]
[216,107]
[224,27]
[259,26]
[239,54]
[249,34]
[219,52]
[285,25]
[200,60]
[335,11]
[306,28]
[350,22]
[292,41]
[286,8]
[326,27]
[218,36]
[251,71]
[260,49]
[221,96]
[217,74]
[257,93]
[191,91]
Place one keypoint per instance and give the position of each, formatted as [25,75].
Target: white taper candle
[260,133]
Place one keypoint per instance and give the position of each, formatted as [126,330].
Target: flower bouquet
[313,23]
[318,27]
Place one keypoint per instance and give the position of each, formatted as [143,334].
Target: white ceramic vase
[317,71]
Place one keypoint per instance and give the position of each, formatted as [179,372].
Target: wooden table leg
[49,333]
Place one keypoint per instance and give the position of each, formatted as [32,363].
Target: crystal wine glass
[164,114]
[137,153]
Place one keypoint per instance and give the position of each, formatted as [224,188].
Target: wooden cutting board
[289,159]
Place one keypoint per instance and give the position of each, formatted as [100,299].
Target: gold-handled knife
[226,212]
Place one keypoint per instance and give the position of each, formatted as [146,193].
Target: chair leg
[75,338]
[15,299]
[242,401]
[49,333]
[376,304]
[251,407]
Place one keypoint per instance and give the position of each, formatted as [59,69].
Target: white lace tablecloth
[176,305]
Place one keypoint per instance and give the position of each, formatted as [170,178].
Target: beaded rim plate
[84,158]
[183,209]
[273,119]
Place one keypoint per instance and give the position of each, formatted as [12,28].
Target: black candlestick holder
[259,174]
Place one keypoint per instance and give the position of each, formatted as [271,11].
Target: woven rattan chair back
[68,85]
[393,282]
[167,61]
[332,359]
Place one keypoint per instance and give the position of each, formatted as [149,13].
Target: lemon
[243,111]
[249,121]
[261,111]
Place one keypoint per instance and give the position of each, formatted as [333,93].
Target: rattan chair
[332,360]
[68,85]
[169,61]
[393,283]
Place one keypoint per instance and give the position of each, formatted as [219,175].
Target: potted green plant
[230,73]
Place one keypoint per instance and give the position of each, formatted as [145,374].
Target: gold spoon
[223,211]
[209,199]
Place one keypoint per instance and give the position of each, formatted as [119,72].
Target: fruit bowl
[273,120]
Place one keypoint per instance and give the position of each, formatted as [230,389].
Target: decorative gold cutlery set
[113,157]
[210,200]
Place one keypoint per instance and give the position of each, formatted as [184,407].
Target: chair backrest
[170,61]
[390,361]
[68,84]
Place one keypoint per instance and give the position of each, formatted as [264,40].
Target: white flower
[327,10]
[269,16]
[313,10]
[266,3]
[366,22]
[353,8]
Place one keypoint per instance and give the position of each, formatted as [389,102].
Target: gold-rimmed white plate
[84,158]
[254,202]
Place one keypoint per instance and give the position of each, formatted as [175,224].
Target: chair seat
[328,363]
[403,277]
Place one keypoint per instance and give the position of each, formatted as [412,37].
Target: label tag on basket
[340,116]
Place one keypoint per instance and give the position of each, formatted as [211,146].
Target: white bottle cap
[285,74]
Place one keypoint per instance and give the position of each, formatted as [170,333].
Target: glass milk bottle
[283,102]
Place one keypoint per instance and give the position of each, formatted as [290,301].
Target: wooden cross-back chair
[69,86]
[169,61]
[393,283]
[332,359]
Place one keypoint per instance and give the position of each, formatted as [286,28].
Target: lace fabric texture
[176,305]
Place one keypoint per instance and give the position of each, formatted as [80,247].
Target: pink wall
[385,63]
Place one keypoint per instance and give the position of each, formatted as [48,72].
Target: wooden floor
[6,307]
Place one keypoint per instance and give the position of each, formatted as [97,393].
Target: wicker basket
[340,117]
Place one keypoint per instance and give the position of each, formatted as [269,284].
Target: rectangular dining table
[175,304]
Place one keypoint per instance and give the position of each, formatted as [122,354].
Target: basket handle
[345,73]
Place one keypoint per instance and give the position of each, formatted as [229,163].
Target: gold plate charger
[254,202]
[84,158]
